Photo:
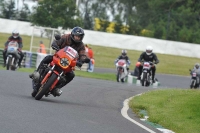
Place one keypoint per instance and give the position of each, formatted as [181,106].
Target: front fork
[48,75]
[56,81]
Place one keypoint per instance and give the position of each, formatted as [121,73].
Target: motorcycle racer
[125,57]
[75,41]
[148,55]
[15,37]
[197,70]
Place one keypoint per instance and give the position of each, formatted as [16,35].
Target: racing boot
[19,65]
[35,75]
[56,92]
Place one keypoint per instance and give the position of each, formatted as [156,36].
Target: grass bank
[174,109]
[105,56]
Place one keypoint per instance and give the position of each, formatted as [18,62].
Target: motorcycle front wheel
[118,76]
[192,84]
[144,79]
[43,90]
[8,65]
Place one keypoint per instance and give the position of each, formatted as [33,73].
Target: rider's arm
[6,43]
[20,43]
[156,59]
[129,62]
[82,55]
[141,57]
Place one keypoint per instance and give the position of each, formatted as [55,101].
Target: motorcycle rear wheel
[43,90]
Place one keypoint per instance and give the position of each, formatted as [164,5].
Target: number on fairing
[71,52]
[194,74]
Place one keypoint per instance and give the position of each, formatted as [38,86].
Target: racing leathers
[19,41]
[152,58]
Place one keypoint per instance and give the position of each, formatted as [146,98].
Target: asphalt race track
[86,105]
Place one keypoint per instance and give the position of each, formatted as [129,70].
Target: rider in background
[42,48]
[90,55]
[125,57]
[15,37]
[148,55]
[197,70]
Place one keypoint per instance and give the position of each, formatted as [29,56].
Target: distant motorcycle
[146,77]
[193,82]
[122,72]
[12,55]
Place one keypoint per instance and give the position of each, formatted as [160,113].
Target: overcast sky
[19,4]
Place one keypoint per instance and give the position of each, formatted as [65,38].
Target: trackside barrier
[133,80]
[32,60]
[29,60]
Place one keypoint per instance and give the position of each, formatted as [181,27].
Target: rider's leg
[140,72]
[4,57]
[68,78]
[21,58]
[153,69]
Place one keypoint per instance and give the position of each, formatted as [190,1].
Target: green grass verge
[105,56]
[174,109]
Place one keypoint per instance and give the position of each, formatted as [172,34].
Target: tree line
[177,20]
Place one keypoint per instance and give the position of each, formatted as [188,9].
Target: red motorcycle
[64,61]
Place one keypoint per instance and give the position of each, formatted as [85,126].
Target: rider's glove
[19,49]
[79,64]
[55,46]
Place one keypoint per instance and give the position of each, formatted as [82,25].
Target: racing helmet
[77,31]
[197,66]
[15,33]
[124,52]
[149,50]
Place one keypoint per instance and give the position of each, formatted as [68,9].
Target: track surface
[86,105]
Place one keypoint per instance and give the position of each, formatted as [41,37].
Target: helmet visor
[15,35]
[149,51]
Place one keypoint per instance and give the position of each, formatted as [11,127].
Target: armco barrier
[133,80]
[27,61]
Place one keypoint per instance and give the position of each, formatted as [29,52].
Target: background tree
[51,13]
[24,13]
[7,9]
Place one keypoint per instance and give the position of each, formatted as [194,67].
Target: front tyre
[192,84]
[8,65]
[118,76]
[144,79]
[43,90]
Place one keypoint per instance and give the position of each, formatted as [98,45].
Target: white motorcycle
[146,77]
[122,72]
[12,56]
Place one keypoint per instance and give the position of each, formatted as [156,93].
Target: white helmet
[149,50]
[124,52]
[15,33]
